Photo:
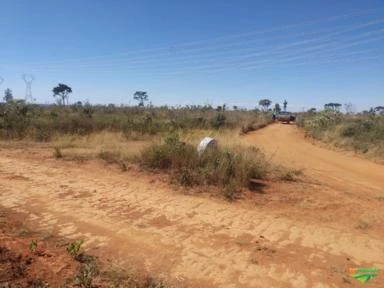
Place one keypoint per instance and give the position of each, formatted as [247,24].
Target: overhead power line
[214,41]
[274,45]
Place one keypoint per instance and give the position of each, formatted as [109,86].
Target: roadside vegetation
[19,120]
[155,138]
[362,133]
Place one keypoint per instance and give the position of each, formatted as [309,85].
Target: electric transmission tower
[28,79]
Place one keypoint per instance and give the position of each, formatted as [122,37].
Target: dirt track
[287,145]
[297,235]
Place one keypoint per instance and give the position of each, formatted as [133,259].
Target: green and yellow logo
[363,274]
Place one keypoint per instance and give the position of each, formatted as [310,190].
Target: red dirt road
[348,173]
[304,234]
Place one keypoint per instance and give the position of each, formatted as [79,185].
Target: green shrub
[73,248]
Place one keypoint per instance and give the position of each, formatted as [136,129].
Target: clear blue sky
[197,51]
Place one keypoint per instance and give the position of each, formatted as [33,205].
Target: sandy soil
[304,234]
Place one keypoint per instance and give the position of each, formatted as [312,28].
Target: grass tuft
[57,152]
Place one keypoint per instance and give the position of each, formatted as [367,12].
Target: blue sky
[196,52]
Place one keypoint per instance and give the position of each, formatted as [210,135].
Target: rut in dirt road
[130,218]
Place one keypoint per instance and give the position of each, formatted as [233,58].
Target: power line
[312,46]
[306,47]
[165,49]
[188,54]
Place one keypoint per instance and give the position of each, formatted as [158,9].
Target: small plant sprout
[33,246]
[74,248]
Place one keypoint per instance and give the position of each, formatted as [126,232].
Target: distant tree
[61,93]
[349,108]
[337,106]
[265,103]
[378,110]
[221,108]
[8,96]
[141,97]
[78,104]
[285,103]
[332,106]
[312,110]
[235,107]
[277,108]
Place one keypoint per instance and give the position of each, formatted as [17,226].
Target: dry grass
[57,153]
[110,146]
[114,147]
[21,120]
[363,134]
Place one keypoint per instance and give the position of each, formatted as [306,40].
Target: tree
[349,108]
[221,108]
[277,108]
[379,110]
[312,110]
[285,105]
[8,96]
[61,94]
[332,106]
[140,96]
[265,103]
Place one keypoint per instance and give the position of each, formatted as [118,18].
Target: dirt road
[287,145]
[295,235]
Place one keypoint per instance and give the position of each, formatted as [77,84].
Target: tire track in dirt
[129,217]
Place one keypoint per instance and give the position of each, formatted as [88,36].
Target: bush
[230,169]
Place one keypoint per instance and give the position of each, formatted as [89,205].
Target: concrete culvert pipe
[206,143]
